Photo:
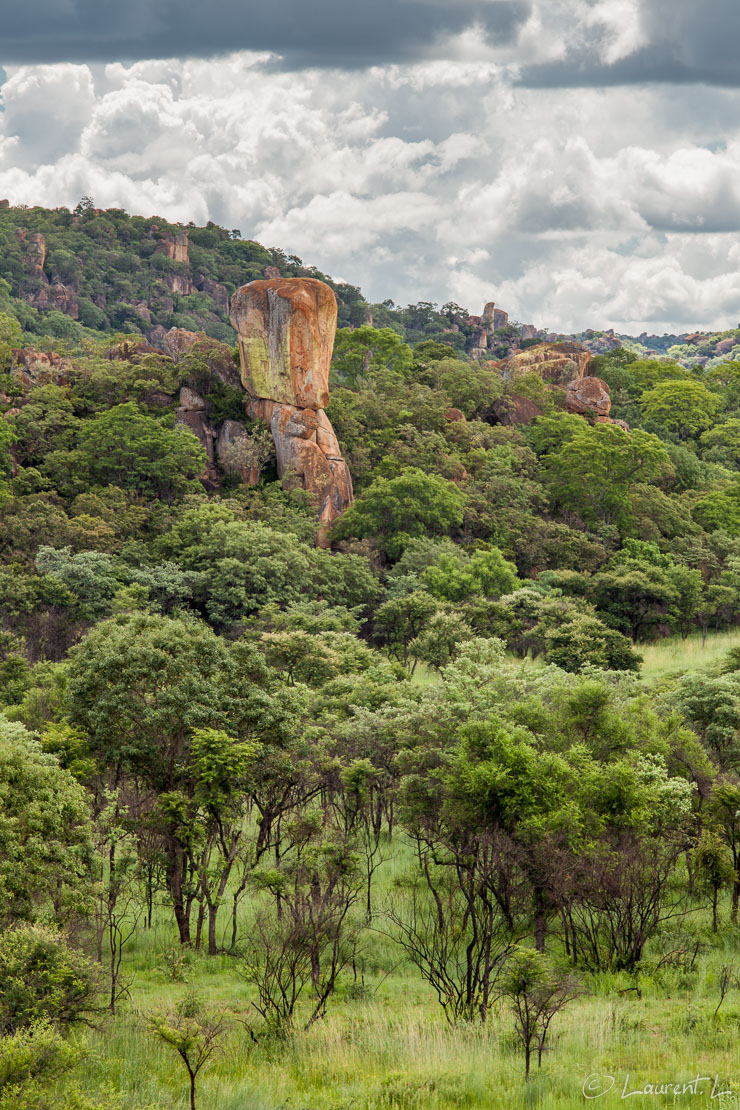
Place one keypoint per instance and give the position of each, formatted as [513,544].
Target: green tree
[397,509]
[136,452]
[140,685]
[11,335]
[537,991]
[682,408]
[594,471]
[438,643]
[485,573]
[360,351]
[194,1032]
[46,857]
[714,868]
[43,979]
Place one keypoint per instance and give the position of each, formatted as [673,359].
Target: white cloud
[46,109]
[440,180]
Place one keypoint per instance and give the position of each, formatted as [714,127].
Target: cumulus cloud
[49,107]
[439,180]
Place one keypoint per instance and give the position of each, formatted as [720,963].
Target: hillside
[325,736]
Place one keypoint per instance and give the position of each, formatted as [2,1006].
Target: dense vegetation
[255,792]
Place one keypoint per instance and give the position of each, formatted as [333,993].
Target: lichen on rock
[286,329]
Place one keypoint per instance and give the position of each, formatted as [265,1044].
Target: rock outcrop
[179,284]
[515,409]
[179,342]
[192,413]
[31,367]
[57,296]
[174,246]
[286,329]
[483,327]
[588,396]
[555,363]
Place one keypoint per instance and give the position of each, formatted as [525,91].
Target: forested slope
[212,734]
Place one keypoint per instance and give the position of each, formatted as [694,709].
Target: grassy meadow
[385,1043]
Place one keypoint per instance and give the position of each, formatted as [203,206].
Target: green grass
[385,1045]
[673,655]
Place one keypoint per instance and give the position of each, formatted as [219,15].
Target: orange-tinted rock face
[588,396]
[286,329]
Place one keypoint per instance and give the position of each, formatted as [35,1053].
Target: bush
[43,979]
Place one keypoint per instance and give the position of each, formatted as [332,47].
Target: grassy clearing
[385,1044]
[674,655]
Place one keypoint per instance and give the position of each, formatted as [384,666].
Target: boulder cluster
[560,366]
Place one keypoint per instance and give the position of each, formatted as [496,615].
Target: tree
[682,408]
[724,811]
[714,868]
[711,705]
[194,1032]
[140,685]
[46,858]
[309,938]
[457,578]
[88,575]
[129,449]
[402,618]
[594,471]
[537,992]
[439,642]
[219,768]
[397,509]
[725,436]
[31,1062]
[11,335]
[635,597]
[585,641]
[43,979]
[360,351]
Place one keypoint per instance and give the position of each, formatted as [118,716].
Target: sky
[575,161]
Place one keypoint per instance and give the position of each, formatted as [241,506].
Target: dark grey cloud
[335,33]
[684,42]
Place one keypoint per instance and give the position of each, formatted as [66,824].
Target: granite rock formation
[555,363]
[483,327]
[515,409]
[588,396]
[286,329]
[174,246]
[192,413]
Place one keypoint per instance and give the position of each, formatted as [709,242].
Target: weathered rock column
[286,329]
